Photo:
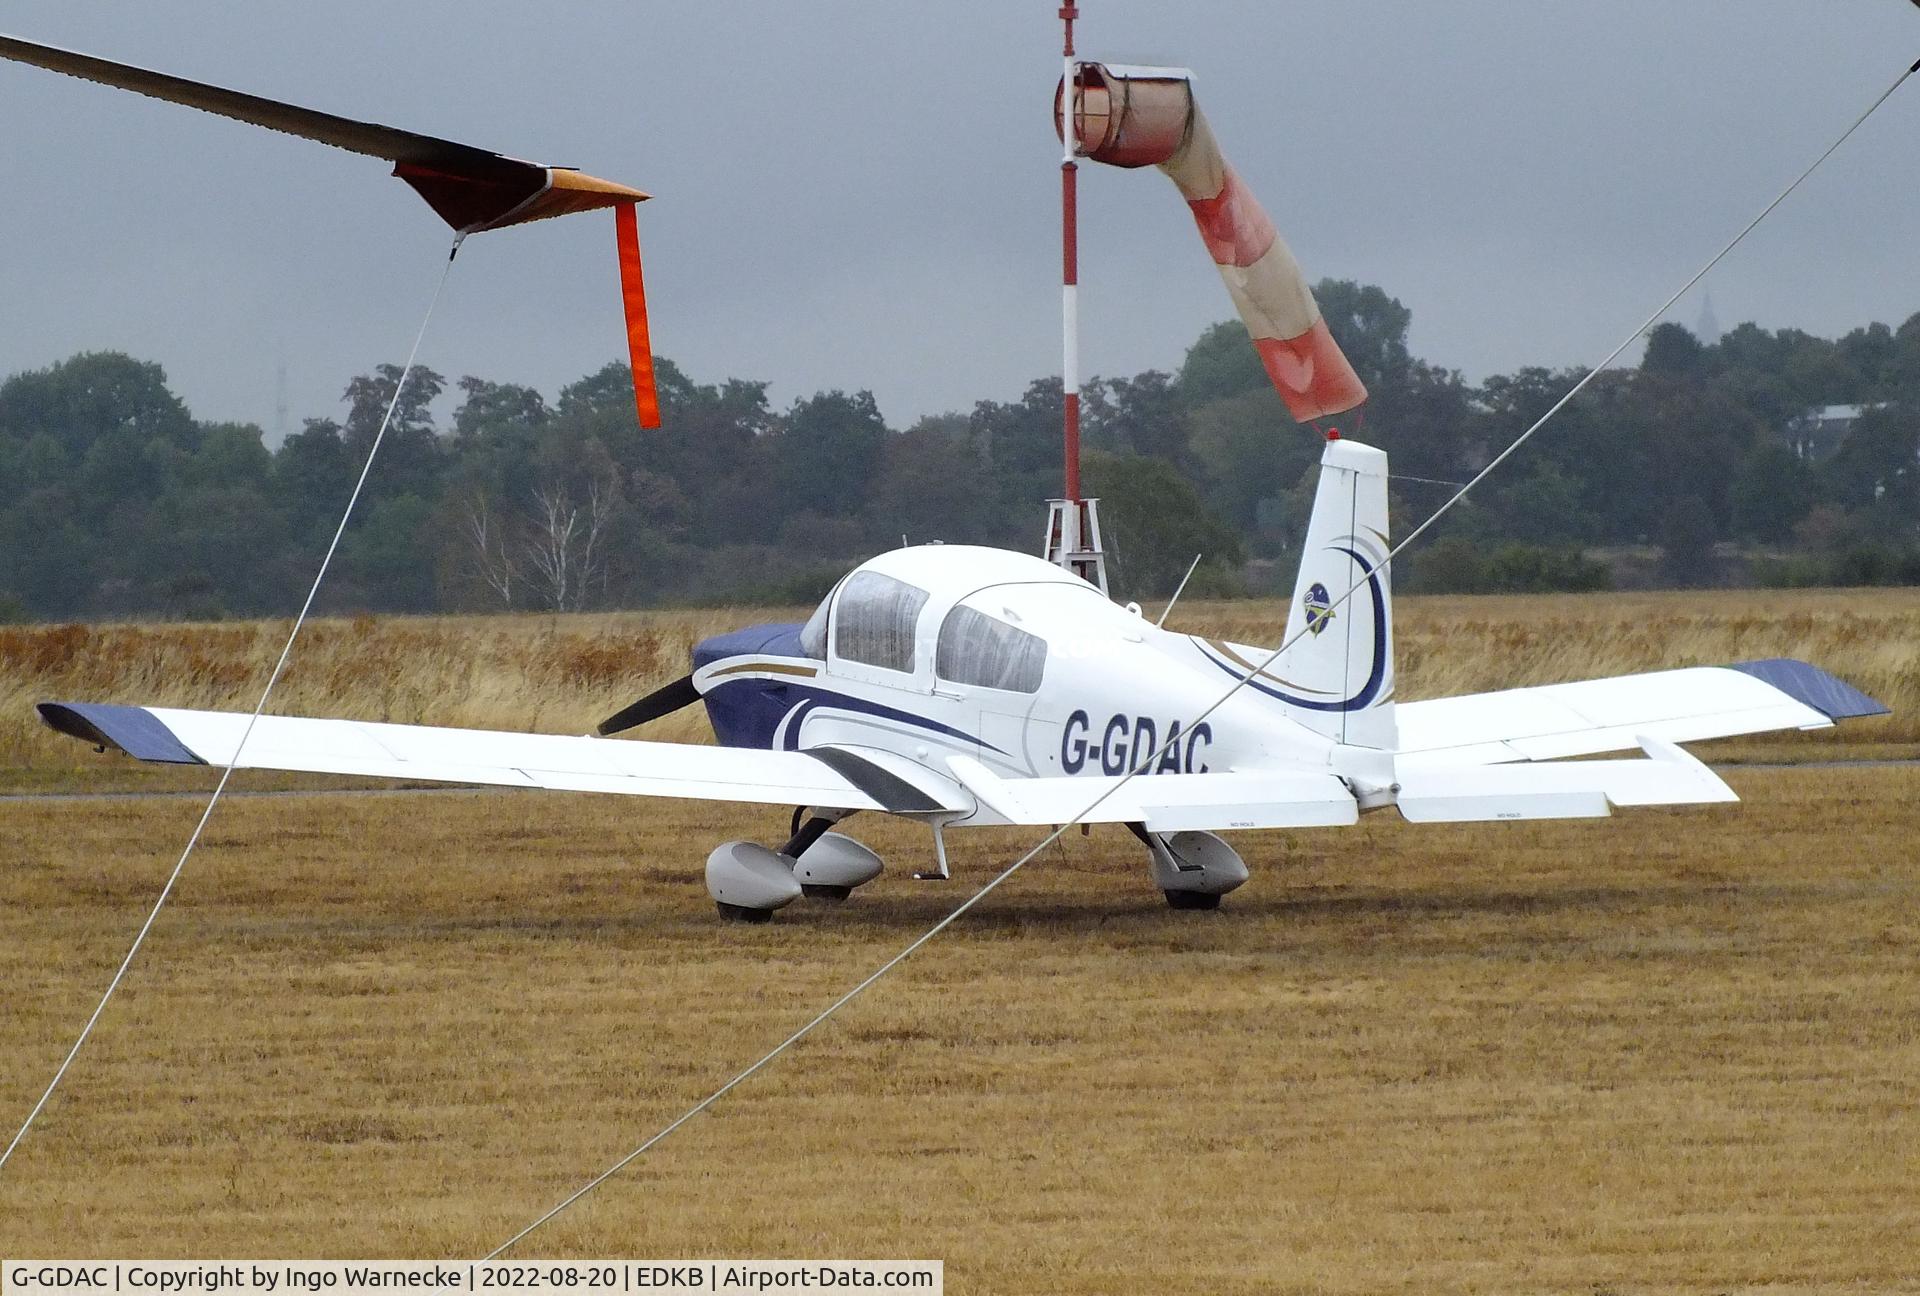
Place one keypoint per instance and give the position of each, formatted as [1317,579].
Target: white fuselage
[1079,686]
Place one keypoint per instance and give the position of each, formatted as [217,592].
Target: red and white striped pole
[1070,269]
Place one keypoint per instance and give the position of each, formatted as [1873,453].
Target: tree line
[116,501]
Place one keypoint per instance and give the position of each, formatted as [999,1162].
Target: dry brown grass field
[1671,1051]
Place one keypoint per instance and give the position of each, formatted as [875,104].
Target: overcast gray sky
[864,195]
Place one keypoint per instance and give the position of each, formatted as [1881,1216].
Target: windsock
[1141,116]
[469,188]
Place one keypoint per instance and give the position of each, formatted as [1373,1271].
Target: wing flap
[1573,790]
[1164,802]
[478,756]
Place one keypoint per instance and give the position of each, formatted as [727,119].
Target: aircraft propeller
[661,702]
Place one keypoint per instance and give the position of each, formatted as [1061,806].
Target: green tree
[1222,363]
[1687,533]
[930,487]
[410,455]
[213,550]
[313,474]
[714,447]
[384,560]
[497,430]
[828,450]
[1242,454]
[1543,506]
[1770,493]
[1540,569]
[1139,415]
[1873,354]
[1673,352]
[1877,465]
[1155,523]
[1023,440]
[1371,328]
[230,455]
[80,400]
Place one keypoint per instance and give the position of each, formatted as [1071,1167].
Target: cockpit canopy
[880,620]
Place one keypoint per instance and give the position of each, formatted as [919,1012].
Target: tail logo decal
[1369,691]
[1319,606]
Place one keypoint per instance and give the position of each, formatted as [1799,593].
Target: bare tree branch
[488,545]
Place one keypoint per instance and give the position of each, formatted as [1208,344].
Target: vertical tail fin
[1338,677]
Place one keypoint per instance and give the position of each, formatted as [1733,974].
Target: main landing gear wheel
[1193,869]
[1193,900]
[748,881]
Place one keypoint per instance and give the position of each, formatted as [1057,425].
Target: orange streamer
[633,294]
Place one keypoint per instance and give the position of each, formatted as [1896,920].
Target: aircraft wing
[1558,720]
[467,755]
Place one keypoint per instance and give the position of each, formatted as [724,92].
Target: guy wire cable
[227,772]
[1273,656]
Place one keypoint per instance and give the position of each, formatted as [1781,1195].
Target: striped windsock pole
[1069,265]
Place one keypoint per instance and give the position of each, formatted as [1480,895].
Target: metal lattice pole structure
[1073,525]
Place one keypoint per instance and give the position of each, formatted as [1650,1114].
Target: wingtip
[1808,684]
[130,729]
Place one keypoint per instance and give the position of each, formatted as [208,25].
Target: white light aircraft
[958,686]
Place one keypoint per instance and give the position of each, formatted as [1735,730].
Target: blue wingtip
[1828,694]
[133,730]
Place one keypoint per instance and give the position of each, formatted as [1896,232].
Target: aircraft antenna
[1179,589]
[1073,523]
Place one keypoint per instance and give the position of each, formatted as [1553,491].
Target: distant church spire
[1708,327]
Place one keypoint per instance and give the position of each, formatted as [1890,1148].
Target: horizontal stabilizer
[1563,790]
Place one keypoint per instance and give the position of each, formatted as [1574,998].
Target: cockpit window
[873,620]
[977,649]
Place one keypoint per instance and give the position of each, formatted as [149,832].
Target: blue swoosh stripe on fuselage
[1368,691]
[749,712]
